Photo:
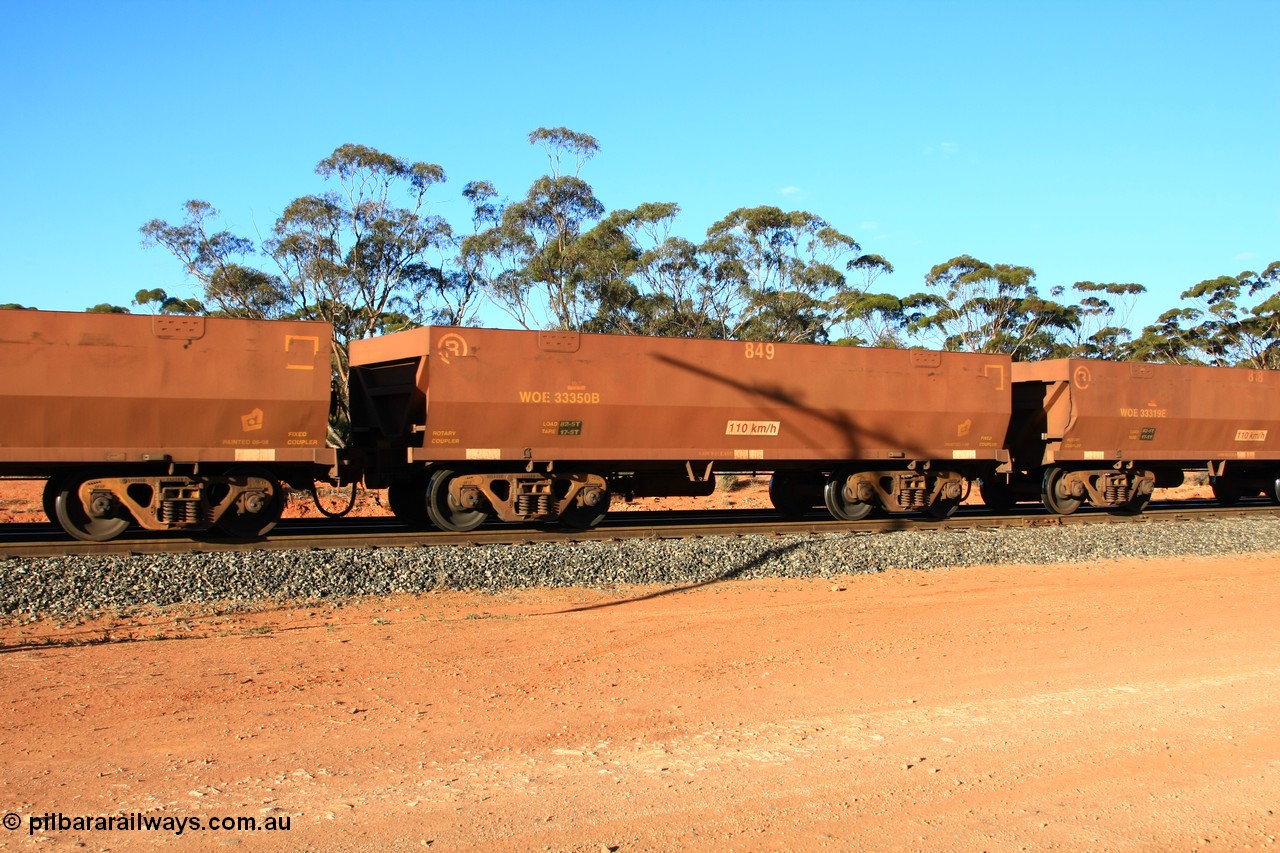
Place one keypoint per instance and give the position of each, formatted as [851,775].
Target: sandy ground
[1121,706]
[1131,705]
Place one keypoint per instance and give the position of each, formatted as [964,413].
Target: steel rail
[45,540]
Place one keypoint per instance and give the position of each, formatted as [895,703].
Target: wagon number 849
[765,351]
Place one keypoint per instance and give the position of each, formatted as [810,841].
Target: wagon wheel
[254,514]
[98,523]
[997,494]
[408,503]
[49,498]
[581,517]
[1054,502]
[1227,492]
[443,511]
[942,508]
[793,494]
[833,495]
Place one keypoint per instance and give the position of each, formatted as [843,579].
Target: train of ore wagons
[191,423]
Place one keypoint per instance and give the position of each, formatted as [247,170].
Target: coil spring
[914,498]
[179,512]
[1116,492]
[533,504]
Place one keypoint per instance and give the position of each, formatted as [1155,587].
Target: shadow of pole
[857,437]
[730,574]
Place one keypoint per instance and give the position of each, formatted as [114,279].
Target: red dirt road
[1124,706]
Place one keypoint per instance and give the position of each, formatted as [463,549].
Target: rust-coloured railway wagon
[170,422]
[464,424]
[1110,432]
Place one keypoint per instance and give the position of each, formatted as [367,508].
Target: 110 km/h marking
[752,427]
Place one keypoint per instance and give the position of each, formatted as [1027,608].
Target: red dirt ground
[1127,705]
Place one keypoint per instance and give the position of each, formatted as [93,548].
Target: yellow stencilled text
[588,398]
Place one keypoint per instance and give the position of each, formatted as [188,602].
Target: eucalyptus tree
[979,307]
[1167,339]
[776,275]
[645,280]
[360,256]
[363,250]
[214,258]
[864,316]
[1231,332]
[1104,313]
[871,319]
[158,301]
[531,261]
[1219,326]
[367,257]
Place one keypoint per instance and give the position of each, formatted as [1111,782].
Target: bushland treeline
[369,256]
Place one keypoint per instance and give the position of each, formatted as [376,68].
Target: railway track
[46,540]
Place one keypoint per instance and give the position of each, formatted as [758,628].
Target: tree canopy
[981,307]
[367,254]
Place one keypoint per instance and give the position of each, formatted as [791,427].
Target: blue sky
[1112,142]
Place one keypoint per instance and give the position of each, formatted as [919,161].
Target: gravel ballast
[76,586]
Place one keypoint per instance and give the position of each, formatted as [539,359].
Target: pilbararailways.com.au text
[138,822]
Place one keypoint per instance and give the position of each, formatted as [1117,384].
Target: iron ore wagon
[1108,433]
[170,422]
[192,422]
[466,424]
